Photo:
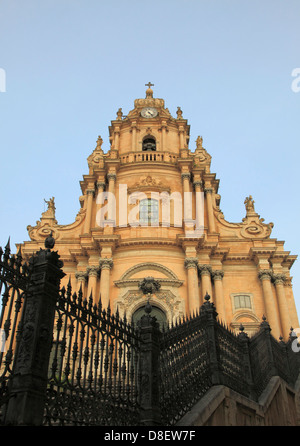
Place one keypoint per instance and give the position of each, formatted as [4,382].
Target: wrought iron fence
[14,281]
[68,361]
[93,371]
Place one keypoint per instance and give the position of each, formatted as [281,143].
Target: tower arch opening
[149,144]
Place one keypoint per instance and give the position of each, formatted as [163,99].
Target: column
[93,272]
[117,138]
[217,276]
[279,280]
[205,273]
[81,282]
[133,136]
[199,208]
[111,203]
[187,202]
[210,212]
[193,293]
[88,215]
[105,265]
[270,305]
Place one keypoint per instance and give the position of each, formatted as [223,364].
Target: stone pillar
[193,293]
[93,273]
[217,276]
[100,189]
[133,136]
[199,207]
[105,265]
[88,215]
[205,273]
[187,203]
[210,212]
[111,188]
[270,305]
[279,280]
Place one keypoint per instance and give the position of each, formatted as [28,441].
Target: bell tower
[149,127]
[155,180]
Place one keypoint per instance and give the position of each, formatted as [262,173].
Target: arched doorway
[156,312]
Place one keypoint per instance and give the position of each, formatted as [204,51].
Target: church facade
[150,207]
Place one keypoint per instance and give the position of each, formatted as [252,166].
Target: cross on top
[149,85]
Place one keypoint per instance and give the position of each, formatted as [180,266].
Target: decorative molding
[205,270]
[217,274]
[106,263]
[190,262]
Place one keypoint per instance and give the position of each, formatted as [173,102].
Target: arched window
[156,312]
[149,212]
[149,144]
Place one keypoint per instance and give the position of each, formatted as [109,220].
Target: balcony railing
[141,157]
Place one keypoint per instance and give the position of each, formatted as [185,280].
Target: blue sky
[70,64]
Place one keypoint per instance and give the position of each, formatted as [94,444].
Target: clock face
[149,112]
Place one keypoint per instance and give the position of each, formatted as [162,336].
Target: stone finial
[50,241]
[119,114]
[179,113]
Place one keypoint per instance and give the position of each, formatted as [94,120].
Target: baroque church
[150,207]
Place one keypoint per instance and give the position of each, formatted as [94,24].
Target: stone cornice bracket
[205,270]
[106,263]
[190,262]
[93,271]
[217,274]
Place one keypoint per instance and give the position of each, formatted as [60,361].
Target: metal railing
[68,361]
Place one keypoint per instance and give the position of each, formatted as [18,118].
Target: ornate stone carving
[93,271]
[106,263]
[265,274]
[205,270]
[185,175]
[190,262]
[217,274]
[279,278]
[50,212]
[149,285]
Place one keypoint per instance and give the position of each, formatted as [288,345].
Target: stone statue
[50,212]
[249,204]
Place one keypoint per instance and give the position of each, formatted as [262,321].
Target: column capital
[185,176]
[190,262]
[208,190]
[265,274]
[81,276]
[100,184]
[106,263]
[111,176]
[198,183]
[217,274]
[93,271]
[90,191]
[205,270]
[279,279]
